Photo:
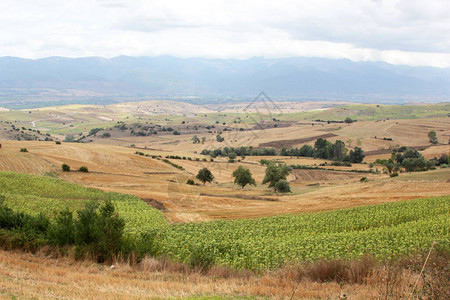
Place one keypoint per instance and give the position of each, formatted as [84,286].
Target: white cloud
[400,32]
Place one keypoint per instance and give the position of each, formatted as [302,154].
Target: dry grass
[25,275]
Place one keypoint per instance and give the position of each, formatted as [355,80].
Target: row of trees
[275,176]
[322,149]
[411,160]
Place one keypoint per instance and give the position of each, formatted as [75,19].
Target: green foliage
[65,167]
[432,137]
[190,182]
[205,175]
[395,174]
[195,140]
[23,150]
[356,156]
[275,172]
[63,232]
[219,138]
[243,176]
[83,169]
[363,179]
[58,143]
[282,186]
[385,231]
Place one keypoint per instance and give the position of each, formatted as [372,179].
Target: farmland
[335,210]
[386,231]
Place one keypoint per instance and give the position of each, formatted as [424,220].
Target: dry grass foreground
[25,275]
[118,169]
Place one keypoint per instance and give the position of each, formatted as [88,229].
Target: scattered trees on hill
[243,176]
[205,175]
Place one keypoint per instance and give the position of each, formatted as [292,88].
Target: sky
[405,32]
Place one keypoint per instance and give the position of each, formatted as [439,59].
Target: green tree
[275,172]
[339,151]
[282,186]
[243,176]
[348,120]
[65,167]
[432,137]
[195,140]
[219,138]
[356,156]
[205,175]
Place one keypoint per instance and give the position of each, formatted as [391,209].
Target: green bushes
[83,169]
[65,167]
[97,231]
[282,186]
[23,150]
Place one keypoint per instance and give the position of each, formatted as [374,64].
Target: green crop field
[386,231]
[34,194]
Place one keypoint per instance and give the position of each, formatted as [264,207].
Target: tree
[348,120]
[243,176]
[432,137]
[282,186]
[219,138]
[205,175]
[195,140]
[356,156]
[338,151]
[275,173]
[203,140]
[83,169]
[65,167]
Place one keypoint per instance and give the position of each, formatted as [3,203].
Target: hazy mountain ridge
[167,76]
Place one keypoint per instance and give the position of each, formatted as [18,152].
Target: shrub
[58,143]
[83,169]
[443,166]
[23,150]
[364,179]
[65,167]
[395,174]
[282,186]
[190,181]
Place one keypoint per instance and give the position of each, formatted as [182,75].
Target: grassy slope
[34,194]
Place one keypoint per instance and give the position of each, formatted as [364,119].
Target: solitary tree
[65,167]
[432,137]
[275,173]
[282,186]
[205,175]
[195,140]
[243,176]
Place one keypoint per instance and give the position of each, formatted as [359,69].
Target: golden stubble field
[119,169]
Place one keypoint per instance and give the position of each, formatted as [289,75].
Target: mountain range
[95,79]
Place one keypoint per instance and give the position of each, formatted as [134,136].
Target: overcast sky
[412,32]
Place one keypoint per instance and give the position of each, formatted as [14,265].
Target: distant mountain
[59,79]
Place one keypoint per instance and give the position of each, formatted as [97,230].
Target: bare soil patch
[289,143]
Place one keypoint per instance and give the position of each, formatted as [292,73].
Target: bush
[282,186]
[23,150]
[65,168]
[58,143]
[395,174]
[443,166]
[190,181]
[364,179]
[83,169]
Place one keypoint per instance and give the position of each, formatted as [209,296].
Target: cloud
[401,32]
